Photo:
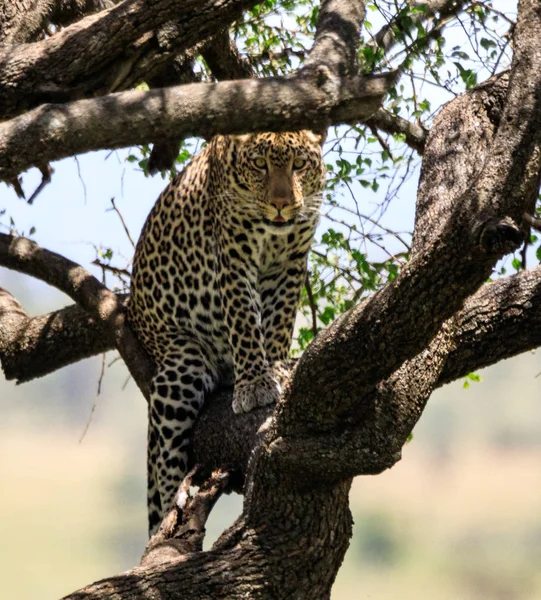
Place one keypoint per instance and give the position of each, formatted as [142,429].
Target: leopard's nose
[279,203]
[281,197]
[280,190]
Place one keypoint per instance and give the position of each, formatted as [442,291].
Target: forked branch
[25,256]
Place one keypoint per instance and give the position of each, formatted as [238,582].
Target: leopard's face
[278,176]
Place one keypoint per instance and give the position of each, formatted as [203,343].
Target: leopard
[217,275]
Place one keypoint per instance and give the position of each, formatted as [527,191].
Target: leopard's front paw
[259,392]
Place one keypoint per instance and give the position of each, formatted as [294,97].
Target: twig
[311,303]
[115,270]
[95,403]
[15,183]
[496,12]
[532,221]
[123,222]
[125,384]
[46,172]
[80,175]
[381,141]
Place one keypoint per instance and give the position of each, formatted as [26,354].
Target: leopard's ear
[240,139]
[316,137]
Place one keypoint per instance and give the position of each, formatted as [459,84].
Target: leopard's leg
[154,504]
[281,287]
[177,393]
[255,385]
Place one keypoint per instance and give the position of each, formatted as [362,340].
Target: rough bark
[183,528]
[130,118]
[178,71]
[33,347]
[337,32]
[112,42]
[225,62]
[224,59]
[21,254]
[362,385]
[23,21]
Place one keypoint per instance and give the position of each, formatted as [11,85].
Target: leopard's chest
[178,281]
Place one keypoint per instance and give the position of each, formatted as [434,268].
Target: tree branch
[21,22]
[113,42]
[130,118]
[182,531]
[225,62]
[34,347]
[25,256]
[224,59]
[386,39]
[501,321]
[178,71]
[415,135]
[24,21]
[337,36]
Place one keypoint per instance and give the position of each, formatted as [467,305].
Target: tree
[361,385]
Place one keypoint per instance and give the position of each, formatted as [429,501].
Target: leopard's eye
[299,163]
[260,162]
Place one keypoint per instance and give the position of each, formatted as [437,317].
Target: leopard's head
[278,176]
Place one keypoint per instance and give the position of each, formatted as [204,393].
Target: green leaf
[468,76]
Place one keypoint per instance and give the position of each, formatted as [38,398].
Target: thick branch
[33,347]
[112,42]
[182,531]
[130,118]
[337,36]
[513,170]
[178,71]
[460,232]
[225,62]
[25,256]
[224,59]
[66,12]
[501,321]
[23,21]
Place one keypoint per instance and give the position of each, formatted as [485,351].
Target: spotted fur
[216,281]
